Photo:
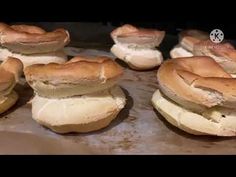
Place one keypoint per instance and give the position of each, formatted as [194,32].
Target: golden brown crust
[6,80]
[131,35]
[8,102]
[197,80]
[207,47]
[10,71]
[188,38]
[223,53]
[22,38]
[13,65]
[79,70]
[194,34]
[217,121]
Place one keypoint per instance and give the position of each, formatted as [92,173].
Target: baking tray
[138,129]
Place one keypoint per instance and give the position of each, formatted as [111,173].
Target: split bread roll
[187,40]
[78,96]
[27,39]
[10,71]
[137,46]
[78,76]
[83,113]
[32,44]
[192,96]
[27,60]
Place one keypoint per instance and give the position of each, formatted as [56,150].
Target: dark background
[90,20]
[99,31]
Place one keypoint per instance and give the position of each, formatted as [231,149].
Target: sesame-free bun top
[29,39]
[197,83]
[222,53]
[78,76]
[137,37]
[188,38]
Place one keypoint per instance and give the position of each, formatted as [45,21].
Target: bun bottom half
[179,52]
[216,121]
[27,60]
[6,102]
[138,59]
[79,114]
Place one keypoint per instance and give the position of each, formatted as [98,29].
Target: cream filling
[78,109]
[138,58]
[146,52]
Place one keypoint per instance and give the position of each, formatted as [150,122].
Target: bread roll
[137,46]
[197,99]
[26,39]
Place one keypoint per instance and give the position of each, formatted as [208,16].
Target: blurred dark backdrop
[99,32]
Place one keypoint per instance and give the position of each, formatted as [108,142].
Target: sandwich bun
[27,39]
[197,99]
[137,46]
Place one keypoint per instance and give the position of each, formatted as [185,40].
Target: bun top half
[188,38]
[79,70]
[197,83]
[29,39]
[137,37]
